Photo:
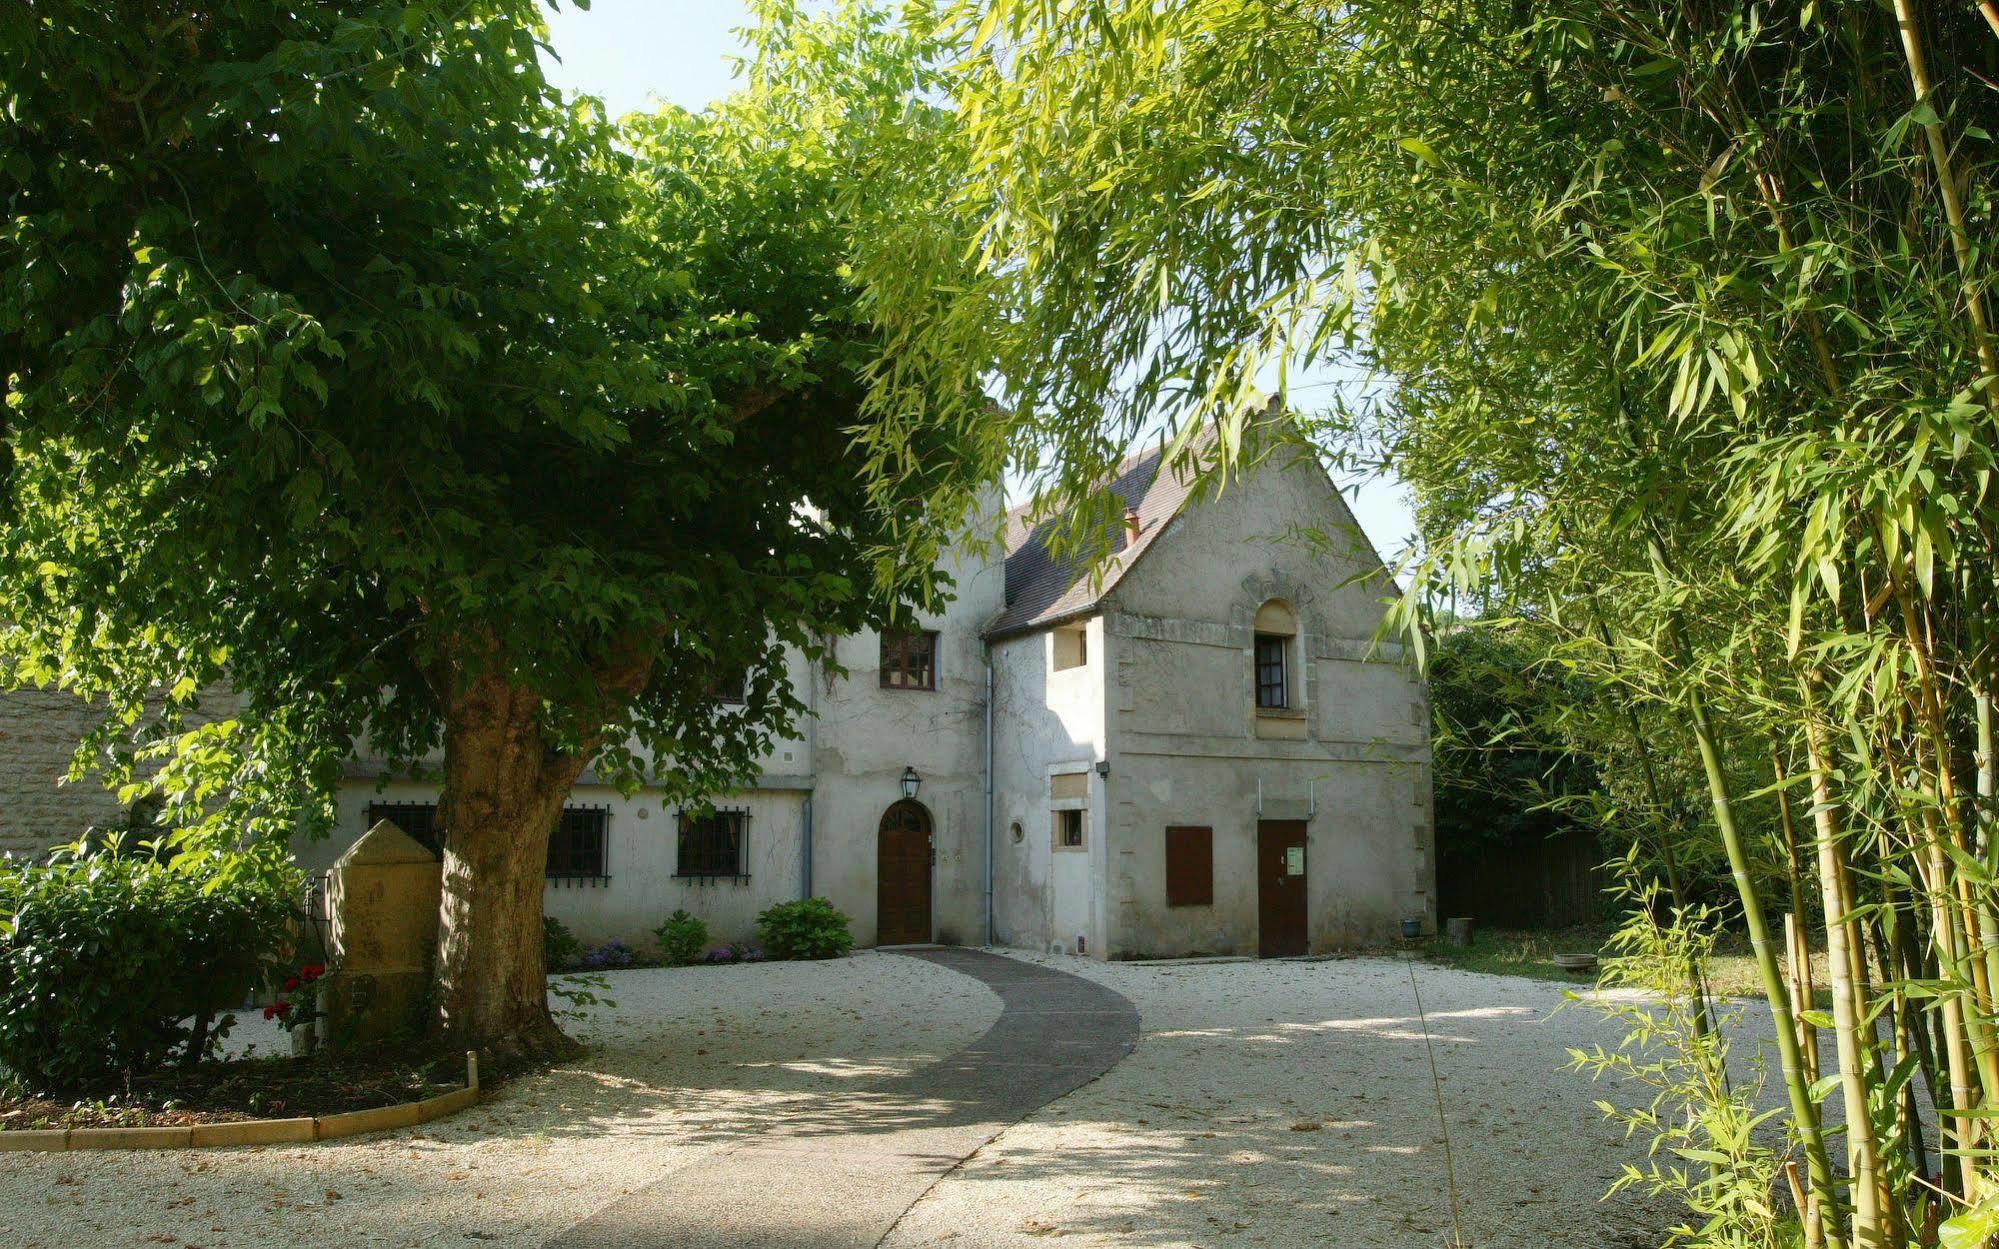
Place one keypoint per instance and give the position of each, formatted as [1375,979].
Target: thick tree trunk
[503,793]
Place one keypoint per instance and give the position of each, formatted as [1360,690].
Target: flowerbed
[250,1088]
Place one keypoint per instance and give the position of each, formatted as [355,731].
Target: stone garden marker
[383,904]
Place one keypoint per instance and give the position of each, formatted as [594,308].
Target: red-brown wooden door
[1280,888]
[902,889]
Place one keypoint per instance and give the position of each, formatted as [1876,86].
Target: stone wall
[39,730]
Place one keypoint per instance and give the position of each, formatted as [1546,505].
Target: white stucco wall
[1185,745]
[863,736]
[1047,722]
[640,888]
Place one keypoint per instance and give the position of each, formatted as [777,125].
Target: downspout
[811,776]
[805,886]
[989,793]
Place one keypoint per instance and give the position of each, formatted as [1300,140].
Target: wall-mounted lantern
[911,782]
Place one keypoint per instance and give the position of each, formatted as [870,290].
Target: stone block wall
[39,730]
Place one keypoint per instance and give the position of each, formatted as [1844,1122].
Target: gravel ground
[1290,1103]
[1277,1103]
[691,1058]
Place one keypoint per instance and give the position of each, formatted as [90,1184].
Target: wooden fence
[1552,882]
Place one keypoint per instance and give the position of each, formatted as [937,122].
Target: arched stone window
[1276,657]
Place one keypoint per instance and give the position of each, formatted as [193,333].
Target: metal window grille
[711,847]
[1273,688]
[909,661]
[579,848]
[418,819]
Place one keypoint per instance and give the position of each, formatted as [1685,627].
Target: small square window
[909,660]
[1070,647]
[1069,829]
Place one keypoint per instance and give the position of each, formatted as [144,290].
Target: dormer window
[1276,634]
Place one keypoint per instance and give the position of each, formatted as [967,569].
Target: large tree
[352,368]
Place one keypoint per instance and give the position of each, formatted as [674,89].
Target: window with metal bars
[578,849]
[711,846]
[1273,683]
[909,660]
[418,819]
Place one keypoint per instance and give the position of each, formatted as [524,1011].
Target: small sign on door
[1294,860]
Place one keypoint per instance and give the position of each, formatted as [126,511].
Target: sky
[633,54]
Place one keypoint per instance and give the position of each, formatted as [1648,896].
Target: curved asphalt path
[842,1181]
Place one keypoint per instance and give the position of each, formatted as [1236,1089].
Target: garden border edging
[244,1132]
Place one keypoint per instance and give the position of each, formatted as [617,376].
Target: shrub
[560,950]
[112,964]
[683,939]
[613,953]
[812,928]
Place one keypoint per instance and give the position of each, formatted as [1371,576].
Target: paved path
[844,1178]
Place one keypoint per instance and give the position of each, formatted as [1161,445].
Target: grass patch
[1504,952]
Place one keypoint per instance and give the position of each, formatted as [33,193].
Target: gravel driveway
[1290,1103]
[1278,1103]
[692,1058]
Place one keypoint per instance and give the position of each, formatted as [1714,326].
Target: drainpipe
[989,793]
[811,775]
[805,886]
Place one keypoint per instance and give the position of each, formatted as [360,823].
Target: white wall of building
[1187,747]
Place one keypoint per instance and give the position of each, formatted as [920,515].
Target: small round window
[1019,834]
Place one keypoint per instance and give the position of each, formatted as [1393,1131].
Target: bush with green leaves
[560,950]
[113,964]
[683,939]
[809,928]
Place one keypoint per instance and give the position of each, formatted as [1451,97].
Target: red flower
[291,982]
[312,972]
[270,1012]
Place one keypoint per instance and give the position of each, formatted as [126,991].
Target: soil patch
[252,1088]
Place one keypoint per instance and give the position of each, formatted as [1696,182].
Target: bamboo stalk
[1848,1008]
[1953,202]
[1804,1111]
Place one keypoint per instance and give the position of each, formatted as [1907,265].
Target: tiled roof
[1042,590]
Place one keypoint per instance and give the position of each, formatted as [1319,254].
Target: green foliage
[1703,1122]
[809,928]
[105,958]
[378,374]
[1676,321]
[579,995]
[683,939]
[1501,767]
[376,355]
[560,949]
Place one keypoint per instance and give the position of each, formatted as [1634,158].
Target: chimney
[1131,527]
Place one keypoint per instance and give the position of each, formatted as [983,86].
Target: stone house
[1200,750]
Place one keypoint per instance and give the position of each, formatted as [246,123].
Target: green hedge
[112,964]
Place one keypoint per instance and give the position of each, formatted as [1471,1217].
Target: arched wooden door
[902,889]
